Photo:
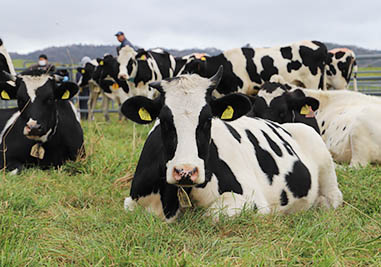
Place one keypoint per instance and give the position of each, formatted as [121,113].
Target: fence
[368,81]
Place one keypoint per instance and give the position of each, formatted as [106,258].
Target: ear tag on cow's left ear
[305,110]
[228,113]
[183,197]
[66,95]
[37,151]
[4,95]
[101,63]
[115,86]
[144,114]
[203,58]
[143,57]
[83,71]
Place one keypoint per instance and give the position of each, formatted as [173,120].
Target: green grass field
[74,216]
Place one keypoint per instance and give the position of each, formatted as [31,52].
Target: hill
[74,53]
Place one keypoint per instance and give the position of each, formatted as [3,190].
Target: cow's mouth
[36,134]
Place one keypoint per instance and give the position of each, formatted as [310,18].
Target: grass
[74,216]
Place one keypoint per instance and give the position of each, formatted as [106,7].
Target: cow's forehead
[269,96]
[186,93]
[32,83]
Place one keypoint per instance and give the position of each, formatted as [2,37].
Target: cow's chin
[38,138]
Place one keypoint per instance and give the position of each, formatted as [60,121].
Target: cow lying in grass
[44,129]
[348,121]
[223,160]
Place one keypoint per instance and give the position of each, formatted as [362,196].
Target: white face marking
[8,59]
[32,83]
[185,98]
[268,97]
[125,54]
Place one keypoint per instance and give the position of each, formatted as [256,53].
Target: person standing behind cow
[43,65]
[123,42]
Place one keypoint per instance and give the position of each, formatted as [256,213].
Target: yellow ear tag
[37,151]
[83,71]
[115,86]
[4,95]
[144,114]
[228,113]
[143,57]
[66,95]
[101,63]
[203,58]
[305,110]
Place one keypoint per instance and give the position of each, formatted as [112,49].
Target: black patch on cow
[168,131]
[283,198]
[286,145]
[346,68]
[272,144]
[322,123]
[227,182]
[233,132]
[321,81]
[286,52]
[345,127]
[277,126]
[268,68]
[270,87]
[332,70]
[339,54]
[294,65]
[265,160]
[299,180]
[129,67]
[251,68]
[203,131]
[169,200]
[314,59]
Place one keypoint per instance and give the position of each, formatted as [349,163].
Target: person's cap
[119,33]
[43,56]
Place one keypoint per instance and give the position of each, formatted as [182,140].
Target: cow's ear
[66,90]
[7,91]
[141,109]
[81,70]
[100,61]
[297,100]
[230,107]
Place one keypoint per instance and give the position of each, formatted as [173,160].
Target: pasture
[74,216]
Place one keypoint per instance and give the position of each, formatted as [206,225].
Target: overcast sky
[29,25]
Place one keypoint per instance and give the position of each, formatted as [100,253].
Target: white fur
[360,142]
[11,120]
[3,51]
[33,83]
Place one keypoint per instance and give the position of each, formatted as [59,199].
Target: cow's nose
[122,76]
[185,174]
[33,129]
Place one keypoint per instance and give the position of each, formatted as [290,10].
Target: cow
[44,129]
[340,65]
[203,150]
[182,62]
[143,67]
[276,101]
[346,120]
[5,63]
[110,89]
[246,69]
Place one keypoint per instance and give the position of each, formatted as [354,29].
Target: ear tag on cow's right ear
[83,71]
[101,63]
[66,95]
[203,58]
[115,86]
[37,151]
[143,57]
[144,114]
[4,95]
[228,113]
[305,110]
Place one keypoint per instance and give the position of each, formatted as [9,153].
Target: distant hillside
[74,53]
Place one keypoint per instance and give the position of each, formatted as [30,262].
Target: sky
[27,26]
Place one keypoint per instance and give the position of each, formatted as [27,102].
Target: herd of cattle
[247,128]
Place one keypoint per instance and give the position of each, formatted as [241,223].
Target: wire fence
[368,81]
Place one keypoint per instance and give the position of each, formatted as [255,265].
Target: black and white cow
[44,129]
[276,101]
[143,67]
[346,120]
[101,84]
[5,63]
[223,160]
[340,65]
[246,69]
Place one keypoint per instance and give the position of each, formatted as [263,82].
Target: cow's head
[279,103]
[128,65]
[37,98]
[106,74]
[86,73]
[185,109]
[196,64]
